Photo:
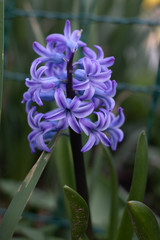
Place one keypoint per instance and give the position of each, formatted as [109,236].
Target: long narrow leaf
[17,205]
[64,162]
[1,50]
[143,220]
[65,166]
[137,186]
[114,196]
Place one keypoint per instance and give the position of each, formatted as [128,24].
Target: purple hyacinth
[95,130]
[115,133]
[68,42]
[54,76]
[69,111]
[90,78]
[104,62]
[42,131]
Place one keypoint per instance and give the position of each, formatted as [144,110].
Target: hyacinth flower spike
[53,78]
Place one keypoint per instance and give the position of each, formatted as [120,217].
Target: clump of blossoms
[82,90]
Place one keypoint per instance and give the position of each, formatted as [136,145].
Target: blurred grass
[135,50]
[1,51]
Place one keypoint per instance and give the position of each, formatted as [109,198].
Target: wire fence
[11,13]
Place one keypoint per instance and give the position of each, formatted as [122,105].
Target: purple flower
[95,130]
[39,84]
[104,62]
[42,131]
[90,78]
[49,53]
[69,110]
[54,75]
[106,96]
[115,133]
[68,41]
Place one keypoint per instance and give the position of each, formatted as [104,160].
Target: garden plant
[70,101]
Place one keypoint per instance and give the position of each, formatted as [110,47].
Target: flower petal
[81,85]
[101,120]
[40,143]
[88,93]
[56,37]
[73,123]
[36,97]
[111,91]
[80,75]
[108,62]
[86,125]
[31,118]
[60,98]
[62,124]
[76,35]
[40,50]
[100,52]
[40,71]
[81,44]
[84,111]
[67,29]
[107,119]
[88,66]
[47,96]
[55,114]
[75,103]
[119,120]
[104,139]
[101,77]
[88,52]
[89,144]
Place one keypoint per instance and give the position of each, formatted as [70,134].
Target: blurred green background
[136,49]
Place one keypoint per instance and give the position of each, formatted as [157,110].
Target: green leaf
[17,205]
[80,213]
[1,50]
[143,221]
[114,195]
[64,161]
[137,186]
[65,167]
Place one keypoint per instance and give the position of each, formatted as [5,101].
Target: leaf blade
[18,203]
[80,213]
[137,186]
[114,195]
[143,221]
